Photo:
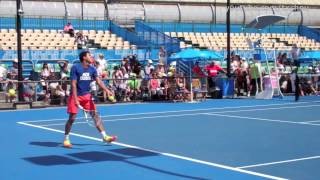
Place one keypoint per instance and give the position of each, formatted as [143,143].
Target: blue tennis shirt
[84,77]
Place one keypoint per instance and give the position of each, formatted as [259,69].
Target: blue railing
[129,36]
[54,23]
[309,33]
[157,37]
[207,27]
[72,55]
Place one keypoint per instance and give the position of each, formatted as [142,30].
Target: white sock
[66,137]
[103,133]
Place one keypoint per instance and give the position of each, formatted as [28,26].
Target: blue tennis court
[215,139]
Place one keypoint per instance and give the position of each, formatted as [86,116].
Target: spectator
[44,76]
[197,70]
[81,40]
[295,54]
[102,61]
[13,72]
[134,85]
[3,76]
[213,69]
[11,91]
[69,29]
[160,69]
[182,92]
[163,55]
[154,86]
[255,75]
[148,69]
[28,91]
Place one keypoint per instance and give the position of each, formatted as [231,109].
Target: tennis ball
[111,98]
[12,92]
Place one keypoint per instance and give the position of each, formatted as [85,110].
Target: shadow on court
[123,155]
[53,144]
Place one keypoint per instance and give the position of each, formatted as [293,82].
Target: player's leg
[72,110]
[89,105]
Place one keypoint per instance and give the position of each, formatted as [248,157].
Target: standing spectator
[69,29]
[255,75]
[102,61]
[295,54]
[213,69]
[163,55]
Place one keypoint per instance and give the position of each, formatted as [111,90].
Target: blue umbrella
[188,54]
[210,55]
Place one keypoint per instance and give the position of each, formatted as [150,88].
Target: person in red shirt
[213,69]
[197,70]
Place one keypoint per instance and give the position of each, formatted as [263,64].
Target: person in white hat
[148,69]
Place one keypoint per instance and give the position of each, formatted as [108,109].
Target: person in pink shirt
[69,29]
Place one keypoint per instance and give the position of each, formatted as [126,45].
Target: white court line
[129,119]
[65,107]
[193,114]
[248,110]
[192,110]
[164,154]
[263,119]
[279,162]
[311,121]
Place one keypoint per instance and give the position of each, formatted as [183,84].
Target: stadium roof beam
[241,2]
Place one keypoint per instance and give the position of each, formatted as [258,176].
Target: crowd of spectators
[132,79]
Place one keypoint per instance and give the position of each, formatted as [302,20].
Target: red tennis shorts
[85,101]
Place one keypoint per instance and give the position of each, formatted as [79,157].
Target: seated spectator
[81,40]
[11,91]
[160,69]
[56,92]
[28,91]
[44,75]
[3,76]
[182,93]
[13,72]
[69,29]
[134,85]
[154,86]
[148,68]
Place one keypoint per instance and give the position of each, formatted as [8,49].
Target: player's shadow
[125,155]
[52,144]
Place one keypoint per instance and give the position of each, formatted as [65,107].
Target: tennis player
[82,74]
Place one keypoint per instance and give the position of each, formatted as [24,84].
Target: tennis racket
[88,116]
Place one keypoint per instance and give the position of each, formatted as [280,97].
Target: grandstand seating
[56,40]
[218,41]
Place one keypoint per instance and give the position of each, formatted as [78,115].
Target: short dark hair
[82,55]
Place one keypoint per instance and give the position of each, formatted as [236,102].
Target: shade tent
[262,22]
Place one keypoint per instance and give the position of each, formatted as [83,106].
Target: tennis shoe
[109,139]
[67,144]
